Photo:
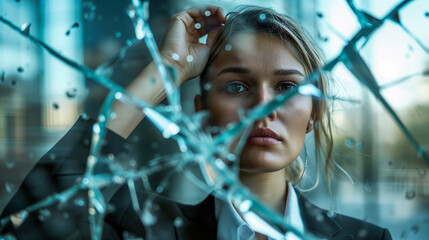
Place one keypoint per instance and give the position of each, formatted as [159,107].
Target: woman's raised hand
[181,47]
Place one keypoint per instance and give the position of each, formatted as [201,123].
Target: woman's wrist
[180,71]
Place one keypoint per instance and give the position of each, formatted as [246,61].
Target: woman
[248,59]
[255,56]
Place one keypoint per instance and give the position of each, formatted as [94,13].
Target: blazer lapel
[317,221]
[199,221]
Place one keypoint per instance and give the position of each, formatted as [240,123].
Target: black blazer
[65,163]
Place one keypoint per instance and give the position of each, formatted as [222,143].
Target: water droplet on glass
[160,189]
[175,57]
[118,34]
[207,13]
[84,116]
[228,47]
[359,146]
[101,118]
[85,181]
[44,214]
[362,233]
[9,187]
[66,215]
[426,14]
[189,58]
[111,208]
[231,157]
[148,218]
[89,10]
[71,93]
[219,163]
[135,139]
[118,95]
[319,217]
[316,125]
[75,25]
[409,232]
[262,16]
[20,69]
[25,28]
[178,222]
[2,77]
[13,82]
[331,213]
[18,218]
[319,14]
[55,106]
[350,143]
[410,194]
[8,236]
[207,86]
[79,202]
[321,37]
[91,211]
[10,163]
[197,25]
[52,156]
[245,206]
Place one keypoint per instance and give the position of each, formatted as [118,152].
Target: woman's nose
[263,95]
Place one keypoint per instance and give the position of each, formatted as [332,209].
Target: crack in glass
[210,153]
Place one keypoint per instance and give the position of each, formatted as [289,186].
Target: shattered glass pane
[64,60]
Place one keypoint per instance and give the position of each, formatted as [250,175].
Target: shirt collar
[232,226]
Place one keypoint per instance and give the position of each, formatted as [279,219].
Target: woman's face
[256,68]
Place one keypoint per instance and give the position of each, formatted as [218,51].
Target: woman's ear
[198,103]
[310,125]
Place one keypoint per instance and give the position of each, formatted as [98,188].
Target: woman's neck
[269,187]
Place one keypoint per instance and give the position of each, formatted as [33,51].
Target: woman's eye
[235,87]
[285,87]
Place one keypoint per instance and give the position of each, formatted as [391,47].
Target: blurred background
[386,180]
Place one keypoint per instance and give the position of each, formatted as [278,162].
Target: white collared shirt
[232,226]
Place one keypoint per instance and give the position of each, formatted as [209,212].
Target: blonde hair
[251,19]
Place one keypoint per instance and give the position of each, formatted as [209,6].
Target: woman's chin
[261,162]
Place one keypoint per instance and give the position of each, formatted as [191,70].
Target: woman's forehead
[257,52]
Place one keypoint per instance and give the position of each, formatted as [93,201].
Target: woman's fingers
[211,36]
[205,19]
[206,11]
[182,39]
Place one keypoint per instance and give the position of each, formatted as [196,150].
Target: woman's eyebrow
[237,70]
[285,72]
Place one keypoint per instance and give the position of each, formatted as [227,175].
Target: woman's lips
[263,137]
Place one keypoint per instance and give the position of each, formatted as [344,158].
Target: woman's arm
[181,40]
